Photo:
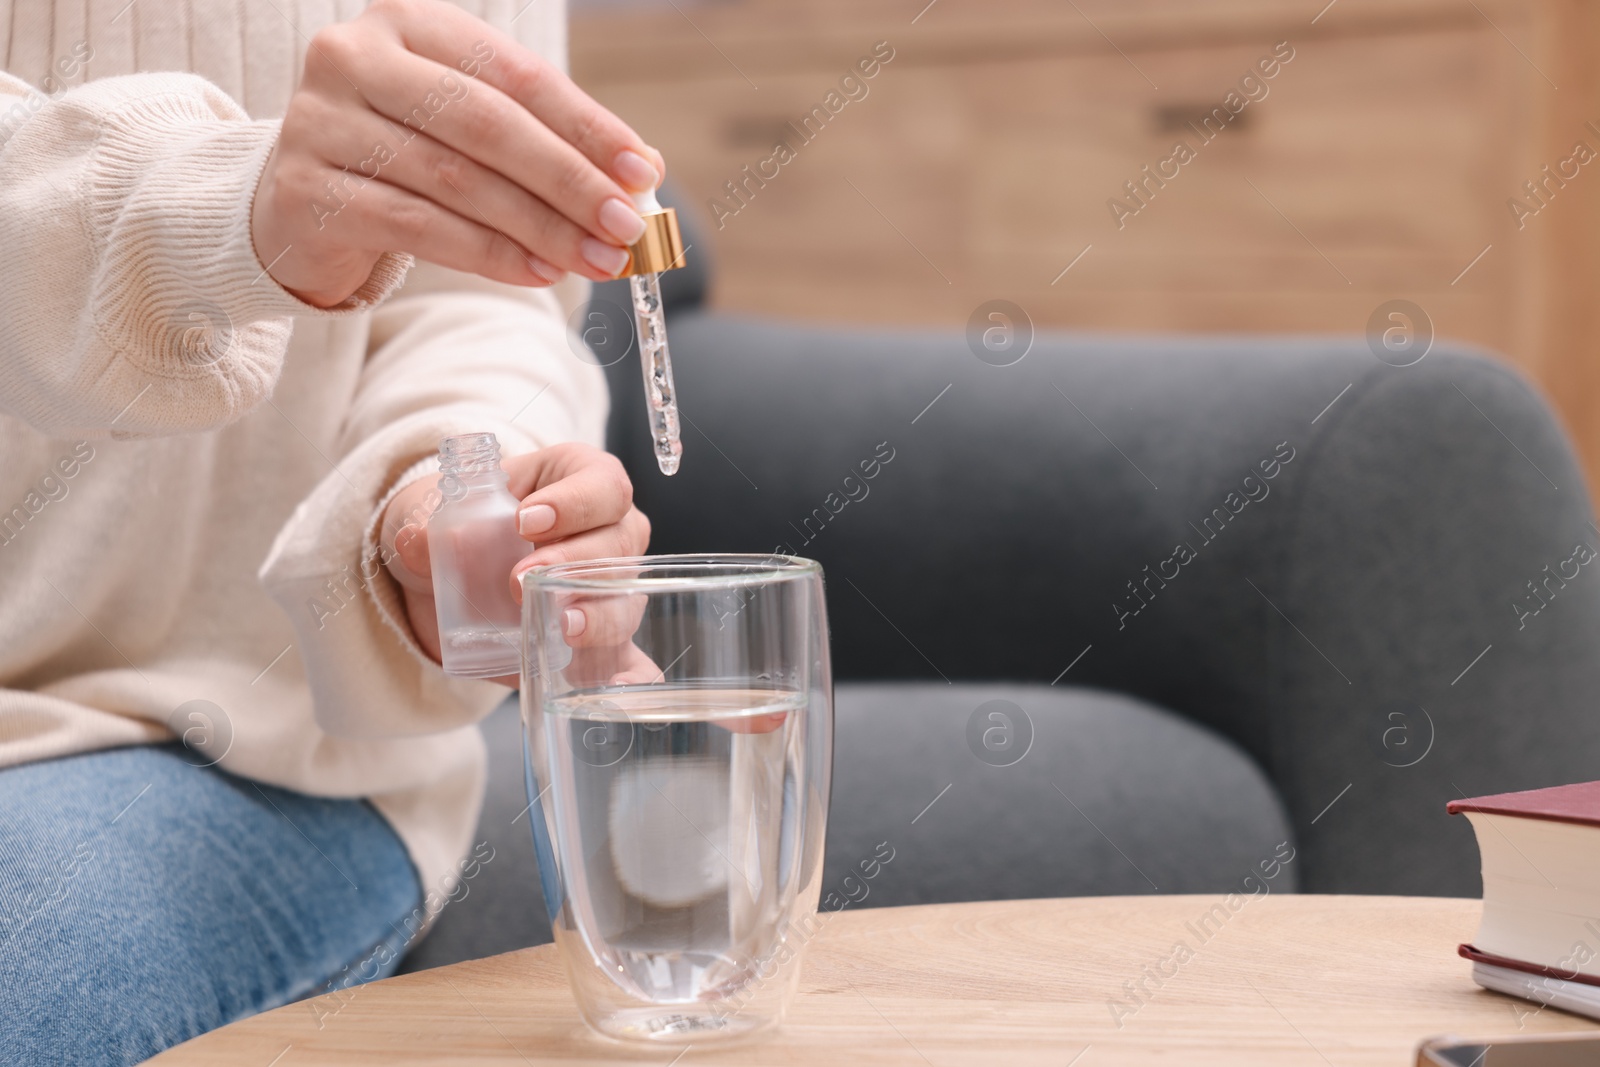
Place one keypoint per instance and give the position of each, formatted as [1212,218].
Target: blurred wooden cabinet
[1380,162]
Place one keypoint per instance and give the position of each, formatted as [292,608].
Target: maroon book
[1527,968]
[1578,803]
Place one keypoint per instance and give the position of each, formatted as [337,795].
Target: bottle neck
[469,453]
[473,481]
[470,463]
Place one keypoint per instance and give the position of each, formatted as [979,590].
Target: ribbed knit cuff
[182,293]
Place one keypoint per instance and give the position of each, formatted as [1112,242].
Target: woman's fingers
[383,216]
[633,667]
[421,97]
[600,621]
[405,530]
[595,621]
[611,665]
[489,127]
[447,35]
[626,537]
[350,178]
[411,552]
[421,165]
[577,504]
[753,724]
[578,492]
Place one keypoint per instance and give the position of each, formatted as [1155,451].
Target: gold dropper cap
[661,247]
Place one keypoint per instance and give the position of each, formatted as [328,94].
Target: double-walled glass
[678,720]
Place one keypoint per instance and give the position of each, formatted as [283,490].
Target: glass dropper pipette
[660,249]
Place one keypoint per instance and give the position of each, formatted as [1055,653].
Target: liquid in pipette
[660,397]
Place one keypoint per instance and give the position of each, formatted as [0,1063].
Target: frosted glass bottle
[473,545]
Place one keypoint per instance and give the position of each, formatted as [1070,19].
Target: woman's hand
[577,503]
[417,128]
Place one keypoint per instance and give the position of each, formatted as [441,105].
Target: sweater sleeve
[132,300]
[450,353]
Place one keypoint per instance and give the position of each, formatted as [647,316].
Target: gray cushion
[1160,803]
[1112,796]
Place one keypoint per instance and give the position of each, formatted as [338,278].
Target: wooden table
[1285,980]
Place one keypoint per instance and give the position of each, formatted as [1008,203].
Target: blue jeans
[145,900]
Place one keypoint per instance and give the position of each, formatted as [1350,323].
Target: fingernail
[536,519]
[621,221]
[635,171]
[607,259]
[573,622]
[546,270]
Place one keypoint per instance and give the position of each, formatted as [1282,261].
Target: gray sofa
[1347,645]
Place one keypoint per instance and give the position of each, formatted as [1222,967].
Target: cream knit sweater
[192,461]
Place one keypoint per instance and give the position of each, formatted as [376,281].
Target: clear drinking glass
[678,722]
